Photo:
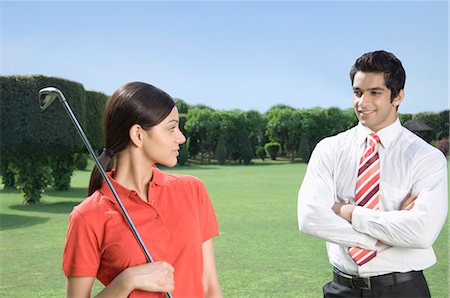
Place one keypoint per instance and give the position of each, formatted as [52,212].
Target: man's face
[372,100]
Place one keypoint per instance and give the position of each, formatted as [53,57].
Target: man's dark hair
[382,62]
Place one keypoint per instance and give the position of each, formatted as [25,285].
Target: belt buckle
[367,285]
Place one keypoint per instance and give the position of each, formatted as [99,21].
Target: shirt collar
[387,135]
[158,178]
[121,191]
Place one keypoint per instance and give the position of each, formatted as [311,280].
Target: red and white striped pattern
[367,192]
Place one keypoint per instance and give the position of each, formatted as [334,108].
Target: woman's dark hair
[133,103]
[382,62]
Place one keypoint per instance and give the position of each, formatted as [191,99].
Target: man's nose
[363,99]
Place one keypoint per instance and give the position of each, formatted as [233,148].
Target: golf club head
[48,95]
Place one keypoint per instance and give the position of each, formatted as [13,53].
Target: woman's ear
[136,135]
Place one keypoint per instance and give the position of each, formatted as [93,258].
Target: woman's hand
[151,277]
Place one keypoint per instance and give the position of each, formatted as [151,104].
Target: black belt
[368,283]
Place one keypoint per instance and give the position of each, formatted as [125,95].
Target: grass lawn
[259,252]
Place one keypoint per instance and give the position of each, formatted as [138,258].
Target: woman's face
[163,141]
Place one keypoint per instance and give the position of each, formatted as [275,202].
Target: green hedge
[38,146]
[24,128]
[96,102]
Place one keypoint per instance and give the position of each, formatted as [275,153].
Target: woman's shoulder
[183,178]
[188,185]
[92,206]
[173,179]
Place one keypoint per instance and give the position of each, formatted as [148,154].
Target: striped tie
[367,193]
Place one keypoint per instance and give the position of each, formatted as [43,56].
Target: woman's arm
[79,286]
[210,282]
[151,277]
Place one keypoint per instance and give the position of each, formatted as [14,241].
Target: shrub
[261,152]
[7,174]
[272,149]
[33,175]
[28,135]
[81,161]
[62,170]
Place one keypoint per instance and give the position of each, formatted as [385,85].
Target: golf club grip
[111,187]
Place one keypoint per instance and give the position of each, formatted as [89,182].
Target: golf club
[46,97]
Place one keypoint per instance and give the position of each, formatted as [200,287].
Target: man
[376,193]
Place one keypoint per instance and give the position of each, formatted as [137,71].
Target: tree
[183,156]
[221,153]
[284,126]
[182,106]
[279,107]
[304,150]
[202,126]
[256,127]
[431,119]
[246,151]
[235,127]
[444,121]
[404,117]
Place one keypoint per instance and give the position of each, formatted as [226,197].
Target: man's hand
[344,210]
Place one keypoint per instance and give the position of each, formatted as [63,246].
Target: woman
[172,213]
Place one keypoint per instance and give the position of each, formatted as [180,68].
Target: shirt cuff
[359,223]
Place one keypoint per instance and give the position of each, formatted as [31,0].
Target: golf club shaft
[111,187]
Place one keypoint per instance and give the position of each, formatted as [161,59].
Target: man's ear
[136,136]
[399,98]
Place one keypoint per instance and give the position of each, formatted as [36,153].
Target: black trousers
[417,287]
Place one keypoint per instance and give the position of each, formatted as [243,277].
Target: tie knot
[372,140]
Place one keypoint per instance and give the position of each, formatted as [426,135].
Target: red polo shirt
[175,222]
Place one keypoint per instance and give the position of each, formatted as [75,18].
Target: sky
[230,55]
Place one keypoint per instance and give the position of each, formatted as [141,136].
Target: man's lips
[366,112]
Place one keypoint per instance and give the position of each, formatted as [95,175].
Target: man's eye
[357,93]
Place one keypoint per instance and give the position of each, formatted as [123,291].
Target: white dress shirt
[407,165]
